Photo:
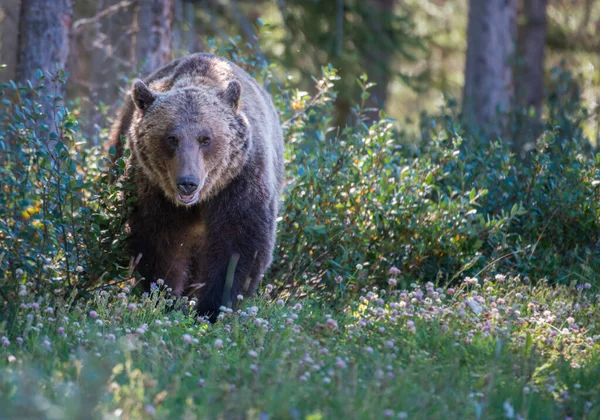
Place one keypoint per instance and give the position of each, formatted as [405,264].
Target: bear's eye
[172,141]
[204,140]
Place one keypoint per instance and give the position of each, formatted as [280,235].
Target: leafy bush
[557,229]
[459,203]
[356,199]
[62,225]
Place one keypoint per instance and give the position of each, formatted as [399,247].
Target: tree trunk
[378,66]
[9,29]
[489,67]
[532,38]
[44,27]
[530,70]
[153,28]
[377,61]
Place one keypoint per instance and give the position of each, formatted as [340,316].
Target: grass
[491,348]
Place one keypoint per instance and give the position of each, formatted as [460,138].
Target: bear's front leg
[234,258]
[159,252]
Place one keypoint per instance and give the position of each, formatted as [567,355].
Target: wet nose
[187,185]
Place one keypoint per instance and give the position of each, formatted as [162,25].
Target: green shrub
[356,199]
[62,225]
[556,233]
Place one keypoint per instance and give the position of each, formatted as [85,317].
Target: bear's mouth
[188,199]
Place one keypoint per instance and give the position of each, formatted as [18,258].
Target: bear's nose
[187,185]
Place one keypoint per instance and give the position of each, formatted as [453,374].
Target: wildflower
[160,282]
[340,363]
[394,270]
[12,359]
[388,413]
[509,411]
[49,310]
[131,306]
[331,323]
[201,383]
[475,307]
[158,322]
[47,344]
[187,338]
[253,310]
[339,279]
[23,292]
[402,415]
[570,320]
[111,337]
[18,272]
[369,350]
[240,298]
[359,267]
[392,282]
[280,302]
[218,344]
[61,331]
[500,278]
[93,314]
[150,410]
[79,269]
[297,307]
[269,288]
[35,306]
[252,353]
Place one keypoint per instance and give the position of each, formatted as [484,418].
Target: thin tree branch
[105,13]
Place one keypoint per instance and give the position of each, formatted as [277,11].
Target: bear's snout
[187,185]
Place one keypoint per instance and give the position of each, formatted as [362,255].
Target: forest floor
[489,348]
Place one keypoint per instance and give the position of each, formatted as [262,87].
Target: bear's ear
[232,94]
[142,95]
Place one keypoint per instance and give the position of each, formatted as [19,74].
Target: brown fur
[204,117]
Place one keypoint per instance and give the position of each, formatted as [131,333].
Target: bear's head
[191,141]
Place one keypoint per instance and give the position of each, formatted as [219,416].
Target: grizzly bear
[207,164]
